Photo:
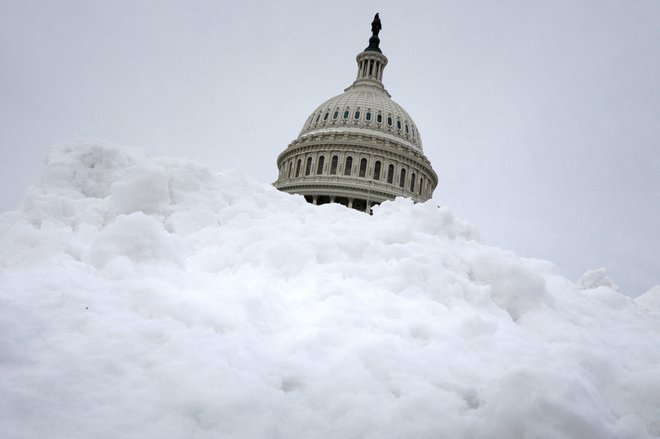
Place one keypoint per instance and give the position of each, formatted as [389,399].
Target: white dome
[364,107]
[359,148]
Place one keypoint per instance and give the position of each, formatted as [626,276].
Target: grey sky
[542,119]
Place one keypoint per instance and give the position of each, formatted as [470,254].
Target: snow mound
[650,298]
[149,297]
[596,278]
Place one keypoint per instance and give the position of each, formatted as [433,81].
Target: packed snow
[152,298]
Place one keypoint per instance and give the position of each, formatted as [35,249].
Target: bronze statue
[375,25]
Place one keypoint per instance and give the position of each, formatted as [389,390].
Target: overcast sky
[541,118]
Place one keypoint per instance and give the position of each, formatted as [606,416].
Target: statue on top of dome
[374,41]
[375,25]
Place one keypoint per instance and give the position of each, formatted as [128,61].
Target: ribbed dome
[364,107]
[359,148]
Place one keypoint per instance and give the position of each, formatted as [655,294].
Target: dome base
[374,42]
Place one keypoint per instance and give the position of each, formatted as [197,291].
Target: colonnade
[412,181]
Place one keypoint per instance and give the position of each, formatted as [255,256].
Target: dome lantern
[359,148]
[370,67]
[372,62]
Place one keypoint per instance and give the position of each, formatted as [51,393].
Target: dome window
[328,114]
[389,120]
[398,125]
[336,115]
[346,114]
[379,118]
[348,165]
[363,168]
[402,178]
[319,168]
[308,167]
[368,116]
[377,170]
[357,114]
[390,173]
[406,128]
[412,183]
[318,117]
[333,165]
[298,168]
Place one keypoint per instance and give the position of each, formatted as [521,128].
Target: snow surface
[151,298]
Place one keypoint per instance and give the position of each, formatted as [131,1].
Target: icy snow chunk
[473,325]
[514,286]
[424,218]
[75,184]
[86,168]
[526,402]
[608,297]
[142,188]
[138,237]
[596,278]
[650,298]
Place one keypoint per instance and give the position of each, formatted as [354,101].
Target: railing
[354,182]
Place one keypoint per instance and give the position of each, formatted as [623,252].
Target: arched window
[421,183]
[319,167]
[308,167]
[346,114]
[402,178]
[363,168]
[379,118]
[389,120]
[298,168]
[412,182]
[333,165]
[348,165]
[390,174]
[377,170]
[290,167]
[398,124]
[368,116]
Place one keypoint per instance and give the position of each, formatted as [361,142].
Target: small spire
[374,41]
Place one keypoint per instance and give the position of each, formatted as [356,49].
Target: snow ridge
[149,297]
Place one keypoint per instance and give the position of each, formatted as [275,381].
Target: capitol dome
[358,148]
[379,112]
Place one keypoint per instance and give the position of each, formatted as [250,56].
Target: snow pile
[146,298]
[596,278]
[651,297]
